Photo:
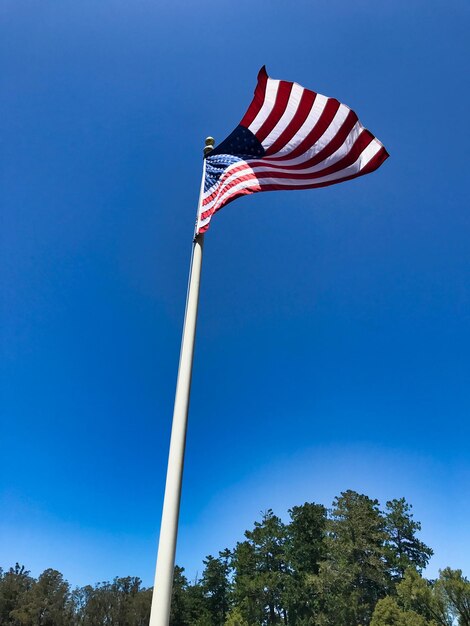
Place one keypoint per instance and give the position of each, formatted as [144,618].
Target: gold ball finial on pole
[210,143]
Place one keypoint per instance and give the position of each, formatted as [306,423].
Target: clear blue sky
[333,347]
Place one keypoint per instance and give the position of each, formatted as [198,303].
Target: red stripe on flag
[373,164]
[227,174]
[376,161]
[351,157]
[317,131]
[334,144]
[282,98]
[258,99]
[223,189]
[228,199]
[305,106]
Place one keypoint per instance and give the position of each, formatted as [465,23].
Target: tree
[235,618]
[353,577]
[305,549]
[178,597]
[403,548]
[217,587]
[306,537]
[414,593]
[420,602]
[47,602]
[455,589]
[246,588]
[333,589]
[95,605]
[388,613]
[261,571]
[142,603]
[188,604]
[132,606]
[13,585]
[351,566]
[120,603]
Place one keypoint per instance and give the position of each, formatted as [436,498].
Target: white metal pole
[161,598]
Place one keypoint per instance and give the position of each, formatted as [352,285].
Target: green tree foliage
[353,576]
[121,602]
[454,589]
[417,594]
[261,571]
[420,602]
[188,604]
[306,537]
[217,587]
[46,603]
[235,618]
[179,603]
[197,608]
[305,550]
[403,548]
[444,602]
[351,566]
[388,613]
[13,585]
[245,578]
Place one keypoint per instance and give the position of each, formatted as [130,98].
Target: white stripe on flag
[286,118]
[324,140]
[312,118]
[355,168]
[268,104]
[340,153]
[244,184]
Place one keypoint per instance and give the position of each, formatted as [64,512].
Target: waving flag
[290,138]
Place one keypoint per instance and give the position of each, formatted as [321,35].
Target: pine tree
[216,586]
[261,571]
[353,577]
[178,598]
[403,548]
[305,549]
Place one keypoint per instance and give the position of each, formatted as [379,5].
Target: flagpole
[161,598]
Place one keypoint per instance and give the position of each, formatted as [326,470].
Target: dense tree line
[352,565]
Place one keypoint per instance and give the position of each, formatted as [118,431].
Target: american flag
[290,138]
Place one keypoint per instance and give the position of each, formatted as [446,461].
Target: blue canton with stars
[239,146]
